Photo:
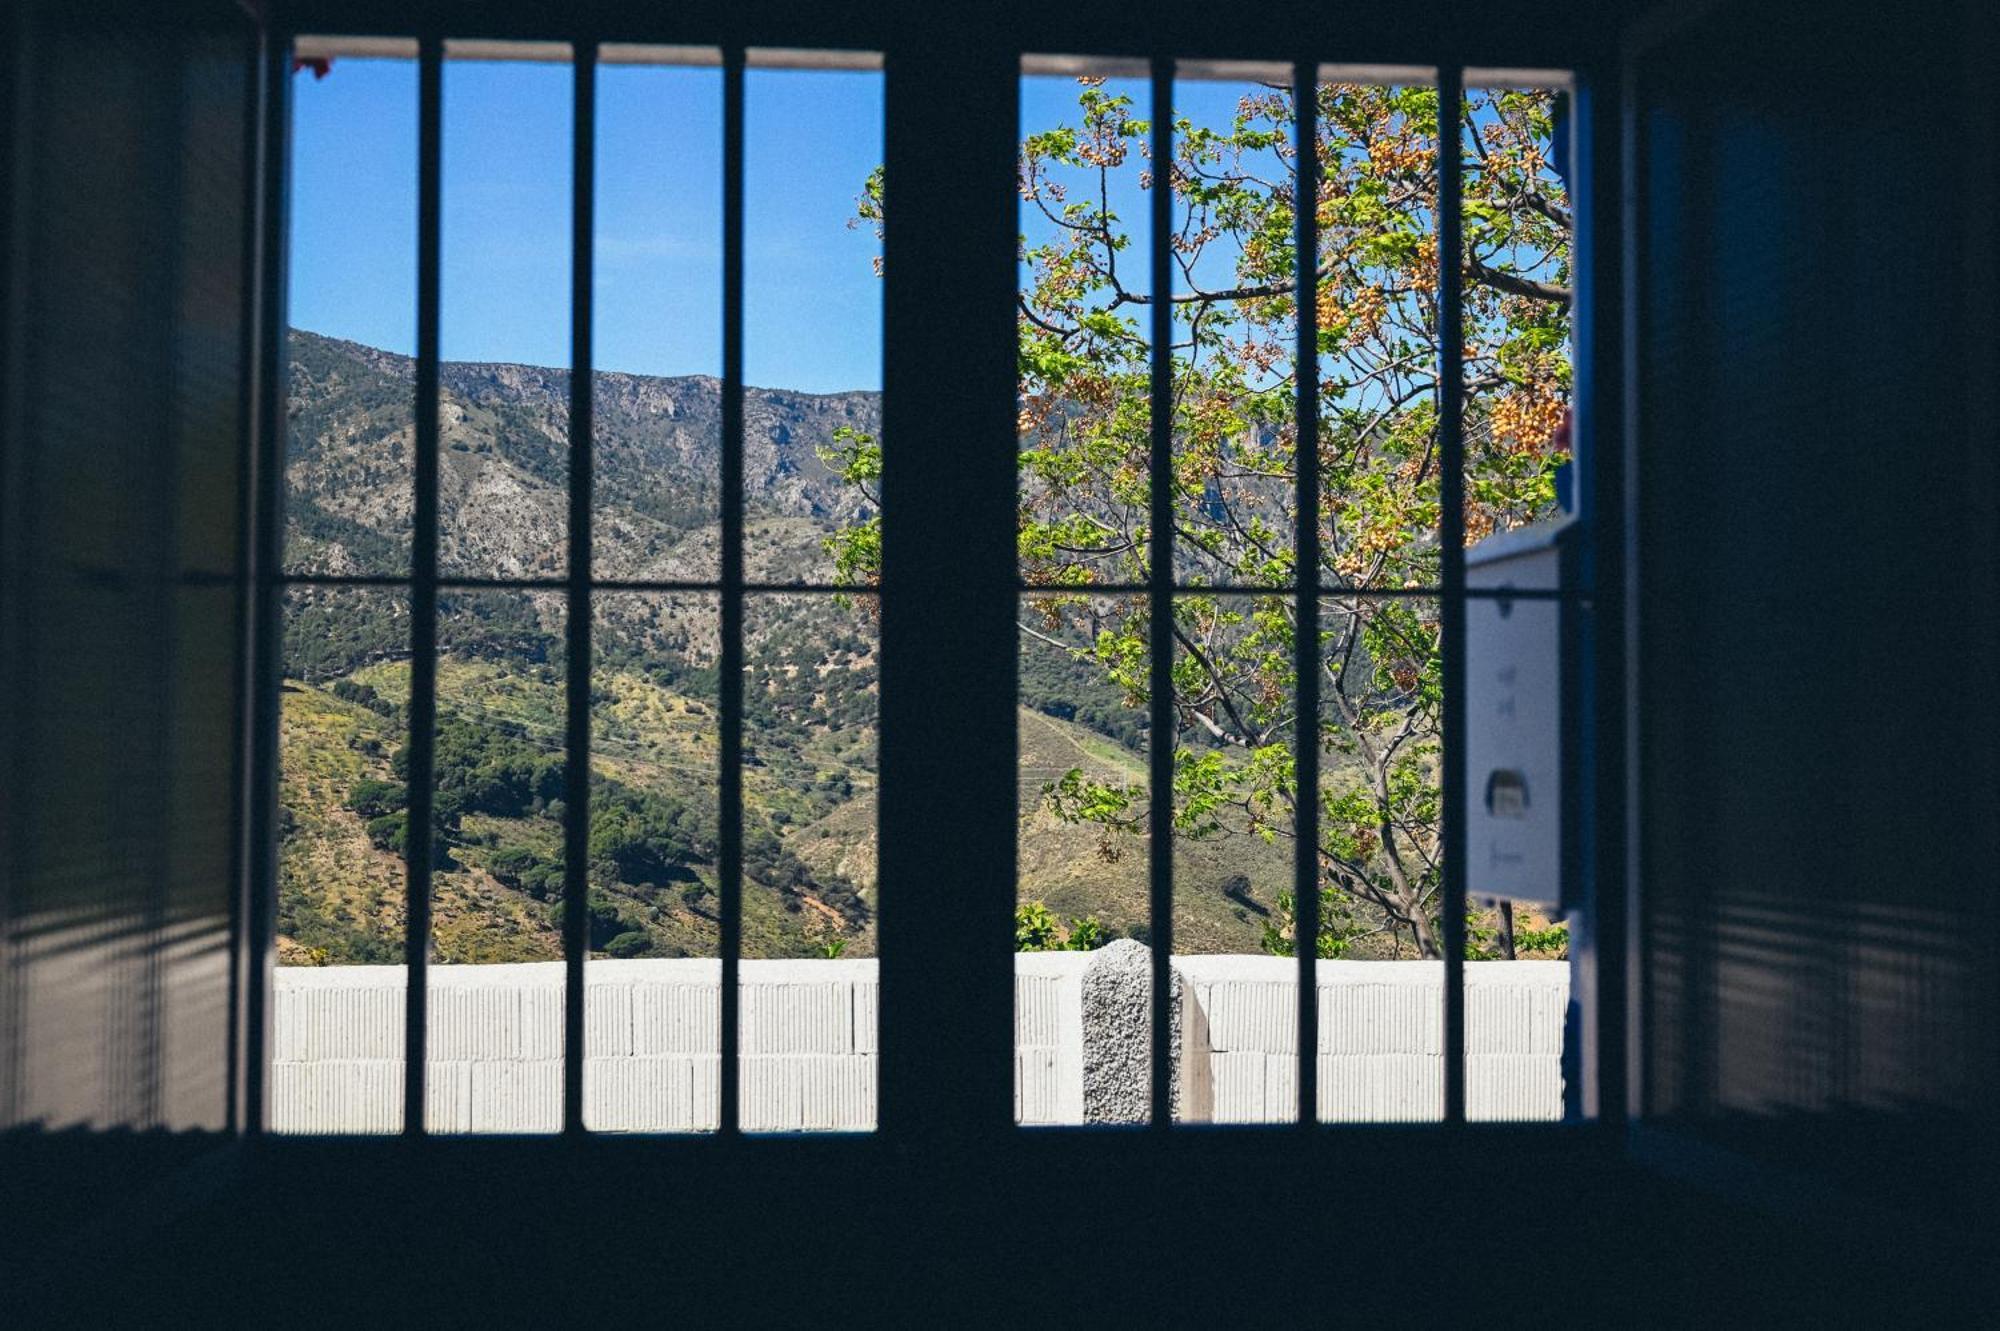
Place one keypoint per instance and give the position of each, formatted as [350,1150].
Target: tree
[1085,437]
[605,923]
[633,943]
[1037,929]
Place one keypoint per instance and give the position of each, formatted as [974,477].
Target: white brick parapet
[652,1038]
[1381,1038]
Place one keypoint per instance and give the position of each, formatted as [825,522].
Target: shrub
[375,799]
[348,690]
[606,920]
[525,871]
[1036,929]
[391,832]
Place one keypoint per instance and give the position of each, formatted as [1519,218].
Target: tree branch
[1516,285]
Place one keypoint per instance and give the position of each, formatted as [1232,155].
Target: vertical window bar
[1305,633]
[423,580]
[576,771]
[1161,596]
[1451,535]
[1618,582]
[730,685]
[244,794]
[263,617]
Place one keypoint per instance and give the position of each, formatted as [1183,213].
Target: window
[588,574]
[1163,593]
[520,564]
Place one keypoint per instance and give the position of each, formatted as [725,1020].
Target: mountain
[809,695]
[504,469]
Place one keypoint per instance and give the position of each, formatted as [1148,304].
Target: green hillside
[810,795]
[499,863]
[809,833]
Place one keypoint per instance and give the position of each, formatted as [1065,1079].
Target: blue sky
[1049,100]
[812,299]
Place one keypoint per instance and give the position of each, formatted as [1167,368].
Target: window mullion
[1160,607]
[730,682]
[949,645]
[420,835]
[268,130]
[577,668]
[1451,538]
[1305,574]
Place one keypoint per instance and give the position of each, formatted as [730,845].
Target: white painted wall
[1048,1036]
[1381,1038]
[809,1043]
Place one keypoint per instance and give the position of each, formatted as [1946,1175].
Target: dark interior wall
[124,416]
[1816,725]
[1815,547]
[1501,33]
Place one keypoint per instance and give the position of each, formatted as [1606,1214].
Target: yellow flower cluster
[1358,318]
[1526,421]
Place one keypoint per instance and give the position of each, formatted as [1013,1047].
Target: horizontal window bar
[1378,75]
[780,57]
[354,48]
[1326,593]
[559,584]
[475,48]
[1086,66]
[332,47]
[1136,67]
[1569,594]
[1533,79]
[635,53]
[1234,71]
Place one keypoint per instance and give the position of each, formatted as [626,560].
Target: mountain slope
[809,696]
[504,469]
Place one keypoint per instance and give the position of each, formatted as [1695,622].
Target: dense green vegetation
[500,800]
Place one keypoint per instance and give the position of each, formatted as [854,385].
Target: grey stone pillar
[1118,1040]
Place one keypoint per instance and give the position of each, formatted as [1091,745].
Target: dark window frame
[947,1012]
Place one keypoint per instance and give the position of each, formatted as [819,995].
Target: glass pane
[351,388]
[1513,151]
[812,324]
[1233,854]
[809,976]
[1381,975]
[337,1056]
[496,978]
[1516,1012]
[503,410]
[1514,154]
[1377,309]
[657,307]
[812,458]
[652,1015]
[1084,895]
[1085,326]
[1235,327]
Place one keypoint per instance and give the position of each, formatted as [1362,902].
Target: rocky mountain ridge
[504,467]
